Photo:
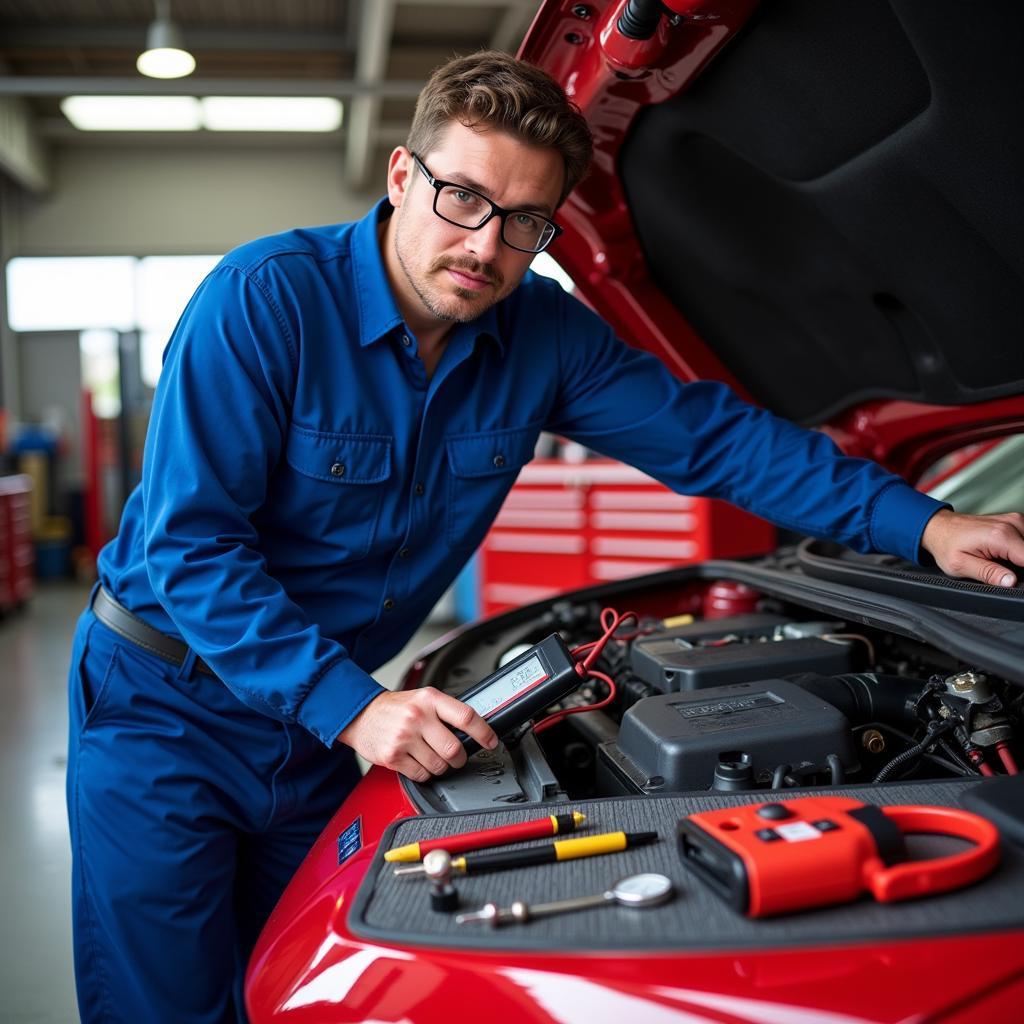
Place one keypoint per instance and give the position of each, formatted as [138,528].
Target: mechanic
[340,414]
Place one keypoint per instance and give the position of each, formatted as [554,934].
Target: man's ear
[400,170]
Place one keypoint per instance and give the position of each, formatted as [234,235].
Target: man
[341,412]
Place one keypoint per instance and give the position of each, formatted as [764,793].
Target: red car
[820,203]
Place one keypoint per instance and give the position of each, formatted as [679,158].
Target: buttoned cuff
[898,518]
[335,699]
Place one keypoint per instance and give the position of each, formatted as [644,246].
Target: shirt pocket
[482,468]
[345,476]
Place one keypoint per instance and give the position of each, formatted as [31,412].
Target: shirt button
[338,469]
[404,553]
[419,489]
[388,604]
[406,340]
[499,461]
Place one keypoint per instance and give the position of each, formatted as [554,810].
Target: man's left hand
[965,545]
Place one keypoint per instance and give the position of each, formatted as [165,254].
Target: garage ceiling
[372,54]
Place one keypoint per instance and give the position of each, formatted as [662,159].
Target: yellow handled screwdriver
[563,849]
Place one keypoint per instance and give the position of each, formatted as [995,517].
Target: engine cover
[678,738]
[675,660]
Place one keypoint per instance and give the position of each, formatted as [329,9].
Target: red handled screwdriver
[538,828]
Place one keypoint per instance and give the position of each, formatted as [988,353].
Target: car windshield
[991,479]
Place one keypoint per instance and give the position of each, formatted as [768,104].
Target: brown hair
[495,90]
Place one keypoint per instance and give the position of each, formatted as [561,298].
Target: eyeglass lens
[520,229]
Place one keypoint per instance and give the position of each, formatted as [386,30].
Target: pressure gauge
[646,890]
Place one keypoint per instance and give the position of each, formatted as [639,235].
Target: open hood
[820,203]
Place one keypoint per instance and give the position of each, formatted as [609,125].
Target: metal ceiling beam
[45,85]
[376,27]
[59,129]
[531,5]
[133,37]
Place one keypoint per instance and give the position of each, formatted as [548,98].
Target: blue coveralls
[307,495]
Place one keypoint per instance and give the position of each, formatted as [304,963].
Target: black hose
[836,767]
[640,18]
[934,731]
[865,696]
[779,775]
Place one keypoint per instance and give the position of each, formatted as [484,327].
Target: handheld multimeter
[519,690]
[775,858]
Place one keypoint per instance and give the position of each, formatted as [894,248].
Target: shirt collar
[378,311]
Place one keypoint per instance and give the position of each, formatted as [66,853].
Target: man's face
[446,273]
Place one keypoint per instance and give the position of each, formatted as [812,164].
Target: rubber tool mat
[398,909]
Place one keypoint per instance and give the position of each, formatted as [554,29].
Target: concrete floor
[36,978]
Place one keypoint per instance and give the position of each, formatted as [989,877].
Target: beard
[460,305]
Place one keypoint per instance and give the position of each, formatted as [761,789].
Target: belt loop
[188,663]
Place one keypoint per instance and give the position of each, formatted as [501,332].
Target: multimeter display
[508,687]
[525,686]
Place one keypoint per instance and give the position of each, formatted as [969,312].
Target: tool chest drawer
[566,525]
[16,551]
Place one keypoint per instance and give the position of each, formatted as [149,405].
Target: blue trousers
[189,813]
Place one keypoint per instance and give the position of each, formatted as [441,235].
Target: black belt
[131,627]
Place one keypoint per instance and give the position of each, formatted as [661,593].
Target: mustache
[470,266]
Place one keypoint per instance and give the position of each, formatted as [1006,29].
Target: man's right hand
[408,732]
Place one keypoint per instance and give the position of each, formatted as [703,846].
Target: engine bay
[724,683]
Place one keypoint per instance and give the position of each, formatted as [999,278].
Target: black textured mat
[398,909]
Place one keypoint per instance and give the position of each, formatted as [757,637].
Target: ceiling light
[271,113]
[132,113]
[165,55]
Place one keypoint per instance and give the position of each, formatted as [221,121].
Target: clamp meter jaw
[774,858]
[522,689]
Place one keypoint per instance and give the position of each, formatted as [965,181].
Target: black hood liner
[887,574]
[837,205]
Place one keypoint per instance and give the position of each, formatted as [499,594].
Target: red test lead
[538,828]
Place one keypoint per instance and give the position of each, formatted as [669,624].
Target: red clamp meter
[773,858]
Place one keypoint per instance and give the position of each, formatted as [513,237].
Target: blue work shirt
[308,494]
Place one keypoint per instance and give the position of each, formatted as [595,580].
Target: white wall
[164,200]
[160,198]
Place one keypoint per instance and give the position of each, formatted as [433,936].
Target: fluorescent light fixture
[133,113]
[215,113]
[165,55]
[271,113]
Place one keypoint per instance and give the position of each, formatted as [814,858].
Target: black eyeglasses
[466,208]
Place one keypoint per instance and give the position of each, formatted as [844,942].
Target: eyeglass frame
[496,211]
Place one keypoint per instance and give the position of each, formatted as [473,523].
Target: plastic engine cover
[680,736]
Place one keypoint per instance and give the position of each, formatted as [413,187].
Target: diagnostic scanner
[773,858]
[518,691]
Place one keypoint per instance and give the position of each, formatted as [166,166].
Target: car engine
[743,691]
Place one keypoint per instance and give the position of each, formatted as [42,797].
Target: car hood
[818,203]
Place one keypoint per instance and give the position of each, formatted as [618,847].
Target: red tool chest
[568,525]
[16,554]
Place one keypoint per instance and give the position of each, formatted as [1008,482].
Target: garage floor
[36,982]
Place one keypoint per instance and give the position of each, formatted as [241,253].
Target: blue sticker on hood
[350,840]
